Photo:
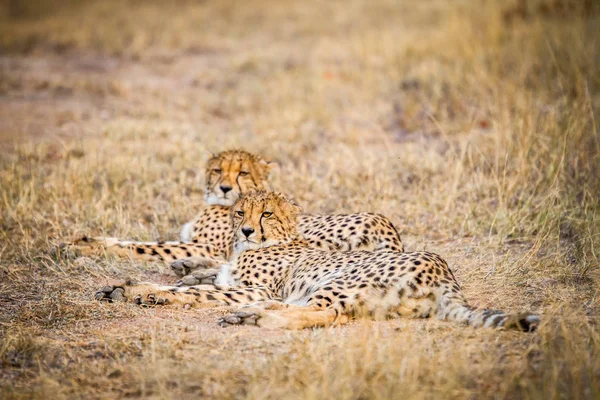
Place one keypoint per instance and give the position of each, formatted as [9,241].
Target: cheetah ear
[208,154]
[296,208]
[269,165]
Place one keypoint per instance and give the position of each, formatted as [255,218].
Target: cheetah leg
[187,266]
[201,296]
[283,316]
[147,251]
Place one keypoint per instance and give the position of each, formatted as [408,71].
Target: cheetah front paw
[117,293]
[185,266]
[252,314]
[111,293]
[240,318]
[200,277]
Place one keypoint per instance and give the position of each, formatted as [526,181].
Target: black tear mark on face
[262,230]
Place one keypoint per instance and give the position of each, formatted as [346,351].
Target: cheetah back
[349,232]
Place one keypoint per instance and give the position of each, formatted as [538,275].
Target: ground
[472,125]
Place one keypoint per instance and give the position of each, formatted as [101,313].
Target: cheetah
[283,282]
[206,240]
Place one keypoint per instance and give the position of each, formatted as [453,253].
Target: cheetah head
[232,173]
[263,219]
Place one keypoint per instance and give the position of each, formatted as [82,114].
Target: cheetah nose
[225,189]
[247,231]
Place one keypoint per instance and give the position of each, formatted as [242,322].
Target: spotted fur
[301,286]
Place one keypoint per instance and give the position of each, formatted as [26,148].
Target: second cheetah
[206,240]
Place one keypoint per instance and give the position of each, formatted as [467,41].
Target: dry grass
[474,127]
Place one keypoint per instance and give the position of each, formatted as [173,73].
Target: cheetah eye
[244,173]
[216,170]
[267,214]
[240,213]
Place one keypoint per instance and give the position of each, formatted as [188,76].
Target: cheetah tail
[453,307]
